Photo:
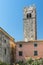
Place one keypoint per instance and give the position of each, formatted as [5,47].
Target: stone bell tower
[29,19]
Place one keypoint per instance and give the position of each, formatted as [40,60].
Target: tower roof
[31,7]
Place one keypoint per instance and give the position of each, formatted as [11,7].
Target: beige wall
[4,45]
[9,45]
[12,51]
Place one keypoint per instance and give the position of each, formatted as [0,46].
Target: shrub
[2,63]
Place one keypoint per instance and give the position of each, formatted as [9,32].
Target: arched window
[28,15]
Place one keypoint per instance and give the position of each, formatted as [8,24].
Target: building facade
[29,20]
[30,49]
[6,45]
[11,51]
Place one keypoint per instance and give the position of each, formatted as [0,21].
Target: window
[35,45]
[5,51]
[20,45]
[35,53]
[4,41]
[29,15]
[20,53]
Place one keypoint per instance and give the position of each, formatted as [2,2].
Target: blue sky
[11,17]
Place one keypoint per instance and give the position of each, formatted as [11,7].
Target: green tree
[41,61]
[36,62]
[20,63]
[30,61]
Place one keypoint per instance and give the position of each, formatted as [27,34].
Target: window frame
[29,15]
[20,45]
[5,51]
[20,53]
[35,44]
[35,53]
[4,40]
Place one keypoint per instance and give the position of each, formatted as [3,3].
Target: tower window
[29,15]
[20,45]
[35,53]
[20,53]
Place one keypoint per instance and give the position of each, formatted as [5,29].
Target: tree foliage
[2,63]
[32,62]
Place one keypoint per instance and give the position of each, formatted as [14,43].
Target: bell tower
[30,31]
